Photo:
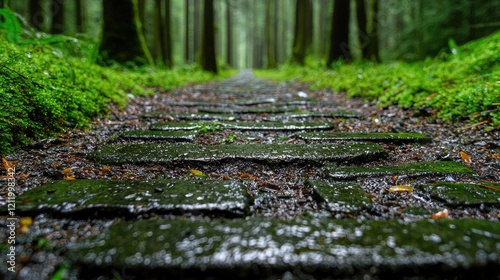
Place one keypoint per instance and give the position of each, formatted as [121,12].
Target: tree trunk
[271,58]
[122,40]
[187,45]
[158,34]
[208,60]
[57,10]
[36,14]
[373,47]
[141,8]
[229,31]
[196,29]
[80,16]
[363,37]
[339,42]
[168,37]
[300,40]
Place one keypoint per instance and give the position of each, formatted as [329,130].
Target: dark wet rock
[464,194]
[247,110]
[270,248]
[178,136]
[96,198]
[342,196]
[411,169]
[274,126]
[374,136]
[191,117]
[333,114]
[271,153]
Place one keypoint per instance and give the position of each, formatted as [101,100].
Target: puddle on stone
[410,169]
[180,136]
[321,247]
[270,153]
[342,196]
[374,136]
[110,197]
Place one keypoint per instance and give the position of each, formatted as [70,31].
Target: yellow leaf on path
[465,157]
[69,178]
[196,172]
[67,171]
[401,188]
[6,164]
[441,214]
[25,223]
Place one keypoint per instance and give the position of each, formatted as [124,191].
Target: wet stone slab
[270,153]
[97,198]
[247,110]
[374,136]
[332,114]
[438,168]
[191,117]
[256,126]
[271,248]
[463,193]
[174,136]
[342,196]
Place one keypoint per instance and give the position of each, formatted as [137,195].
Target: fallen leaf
[495,156]
[197,173]
[6,164]
[24,176]
[441,214]
[431,96]
[67,171]
[105,169]
[25,223]
[401,188]
[490,188]
[69,178]
[465,157]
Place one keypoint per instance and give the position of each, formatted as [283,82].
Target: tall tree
[57,10]
[302,38]
[208,59]
[229,31]
[162,49]
[197,24]
[80,16]
[339,39]
[373,47]
[271,58]
[361,17]
[36,13]
[122,39]
[187,22]
[168,36]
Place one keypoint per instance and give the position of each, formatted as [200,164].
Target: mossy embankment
[463,83]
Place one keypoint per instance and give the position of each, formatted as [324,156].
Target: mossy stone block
[178,136]
[438,168]
[271,153]
[373,136]
[463,193]
[254,126]
[95,198]
[246,110]
[267,248]
[342,196]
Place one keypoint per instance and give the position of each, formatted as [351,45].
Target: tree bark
[229,31]
[122,40]
[363,37]
[80,16]
[36,14]
[373,47]
[196,29]
[208,59]
[301,39]
[271,58]
[168,37]
[57,10]
[339,40]
[187,45]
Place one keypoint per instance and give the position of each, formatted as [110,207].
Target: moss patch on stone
[256,126]
[373,136]
[342,196]
[462,193]
[271,153]
[179,136]
[411,169]
[247,110]
[95,198]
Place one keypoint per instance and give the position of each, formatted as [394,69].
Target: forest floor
[53,236]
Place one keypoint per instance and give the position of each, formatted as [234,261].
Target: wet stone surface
[262,248]
[464,194]
[375,137]
[174,136]
[163,153]
[410,169]
[111,198]
[281,126]
[341,196]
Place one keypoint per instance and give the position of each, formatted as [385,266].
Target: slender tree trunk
[57,10]
[36,14]
[271,58]
[141,7]
[363,37]
[158,34]
[80,16]
[187,45]
[122,40]
[229,31]
[196,29]
[300,41]
[208,60]
[373,47]
[339,48]
[168,37]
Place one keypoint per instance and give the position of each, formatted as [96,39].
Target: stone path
[205,227]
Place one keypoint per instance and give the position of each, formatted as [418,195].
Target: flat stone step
[98,198]
[438,168]
[225,104]
[332,114]
[459,194]
[177,136]
[257,126]
[271,153]
[191,117]
[373,136]
[341,196]
[247,110]
[259,248]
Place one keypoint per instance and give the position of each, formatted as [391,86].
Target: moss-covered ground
[463,83]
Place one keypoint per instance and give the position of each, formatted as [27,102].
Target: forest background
[63,63]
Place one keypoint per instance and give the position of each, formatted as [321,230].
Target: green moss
[463,194]
[455,86]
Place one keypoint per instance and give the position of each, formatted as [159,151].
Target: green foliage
[209,127]
[461,85]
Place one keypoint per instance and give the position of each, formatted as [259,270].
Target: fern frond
[9,23]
